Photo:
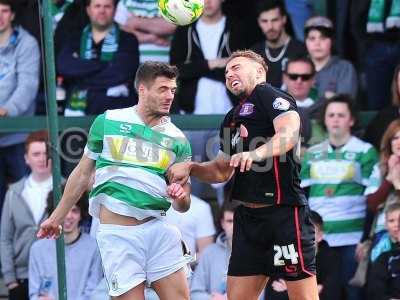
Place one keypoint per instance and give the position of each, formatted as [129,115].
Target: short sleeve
[276,104]
[184,151]
[370,170]
[94,145]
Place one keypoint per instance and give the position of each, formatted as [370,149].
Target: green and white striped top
[144,9]
[339,180]
[131,161]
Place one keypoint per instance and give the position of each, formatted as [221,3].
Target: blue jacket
[19,79]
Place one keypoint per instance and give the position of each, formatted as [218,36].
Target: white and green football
[181,12]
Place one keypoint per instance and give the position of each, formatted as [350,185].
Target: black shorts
[273,241]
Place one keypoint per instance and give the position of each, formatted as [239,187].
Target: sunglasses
[303,77]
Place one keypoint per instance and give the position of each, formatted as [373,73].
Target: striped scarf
[376,16]
[108,49]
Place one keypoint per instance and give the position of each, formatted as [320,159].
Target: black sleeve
[377,288]
[274,103]
[225,131]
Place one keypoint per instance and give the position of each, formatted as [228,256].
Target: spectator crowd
[334,59]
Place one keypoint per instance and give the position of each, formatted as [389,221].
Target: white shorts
[134,254]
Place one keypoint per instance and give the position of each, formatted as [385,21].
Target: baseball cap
[320,23]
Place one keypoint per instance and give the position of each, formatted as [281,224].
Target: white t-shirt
[194,224]
[211,96]
[35,194]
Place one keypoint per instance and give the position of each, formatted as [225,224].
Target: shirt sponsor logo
[280,104]
[246,109]
[333,170]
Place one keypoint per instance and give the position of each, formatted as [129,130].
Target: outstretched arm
[77,184]
[217,170]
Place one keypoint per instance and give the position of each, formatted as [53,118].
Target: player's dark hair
[250,55]
[150,70]
[316,219]
[83,204]
[300,58]
[263,6]
[10,3]
[341,98]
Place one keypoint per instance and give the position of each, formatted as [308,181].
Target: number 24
[288,252]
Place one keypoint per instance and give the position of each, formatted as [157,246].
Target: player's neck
[279,42]
[5,36]
[148,117]
[338,141]
[212,19]
[320,63]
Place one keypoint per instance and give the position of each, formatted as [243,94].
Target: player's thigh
[136,293]
[304,289]
[245,287]
[173,286]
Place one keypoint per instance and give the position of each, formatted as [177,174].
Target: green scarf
[376,16]
[78,101]
[57,12]
[108,49]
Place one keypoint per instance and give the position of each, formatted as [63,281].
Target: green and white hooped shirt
[131,161]
[339,180]
[144,9]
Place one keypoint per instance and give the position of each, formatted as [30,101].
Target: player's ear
[260,73]
[141,88]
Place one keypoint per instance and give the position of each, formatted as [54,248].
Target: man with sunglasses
[299,78]
[259,150]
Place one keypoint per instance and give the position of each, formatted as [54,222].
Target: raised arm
[77,184]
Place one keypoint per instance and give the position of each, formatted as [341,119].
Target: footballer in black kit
[272,231]
[278,239]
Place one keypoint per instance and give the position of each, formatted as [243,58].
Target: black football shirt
[248,126]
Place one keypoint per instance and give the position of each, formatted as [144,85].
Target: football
[181,12]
